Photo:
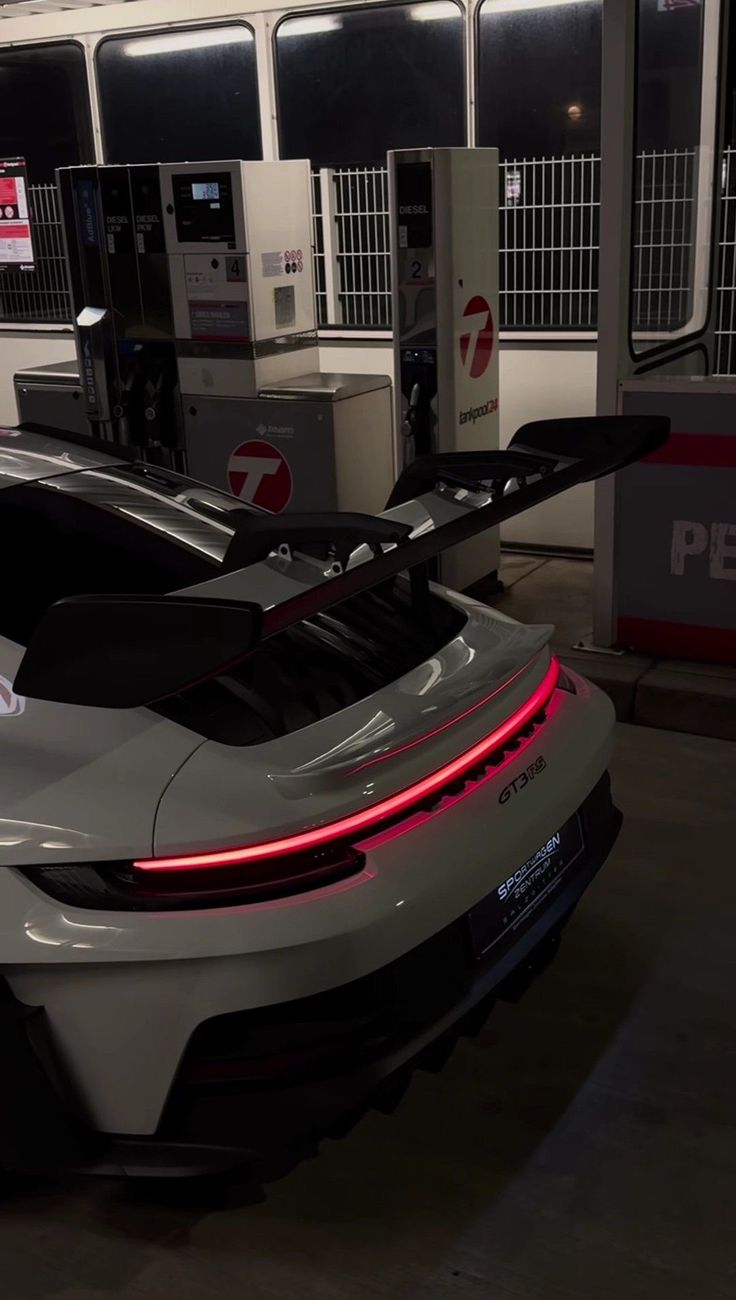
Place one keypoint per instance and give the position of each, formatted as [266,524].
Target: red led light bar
[360,823]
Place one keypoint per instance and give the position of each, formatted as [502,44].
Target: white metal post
[329,239]
[617,173]
[90,50]
[263,26]
[471,19]
[709,179]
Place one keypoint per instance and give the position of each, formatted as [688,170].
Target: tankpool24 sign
[16,239]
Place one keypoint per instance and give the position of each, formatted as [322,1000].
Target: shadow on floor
[377,1213]
[583,1147]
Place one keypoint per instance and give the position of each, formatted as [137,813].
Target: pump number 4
[235,270]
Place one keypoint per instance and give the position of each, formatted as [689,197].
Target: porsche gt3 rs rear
[216,1004]
[273,836]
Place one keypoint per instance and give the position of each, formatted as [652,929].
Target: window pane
[180,95]
[730,114]
[539,68]
[45,116]
[668,76]
[539,75]
[667,169]
[357,82]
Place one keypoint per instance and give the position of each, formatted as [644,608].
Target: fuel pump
[190,282]
[444,262]
[193,293]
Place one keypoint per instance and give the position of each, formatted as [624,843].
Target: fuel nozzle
[124,400]
[408,428]
[158,421]
[154,401]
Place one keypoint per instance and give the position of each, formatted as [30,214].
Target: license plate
[513,904]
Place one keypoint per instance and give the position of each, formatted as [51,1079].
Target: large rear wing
[484,489]
[126,651]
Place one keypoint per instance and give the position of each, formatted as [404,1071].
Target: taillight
[358,825]
[292,863]
[120,886]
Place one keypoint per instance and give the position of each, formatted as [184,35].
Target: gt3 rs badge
[10,703]
[520,782]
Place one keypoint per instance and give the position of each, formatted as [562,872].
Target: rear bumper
[125,994]
[261,1088]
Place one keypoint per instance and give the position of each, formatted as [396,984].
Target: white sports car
[275,839]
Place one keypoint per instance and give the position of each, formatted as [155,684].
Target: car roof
[26,457]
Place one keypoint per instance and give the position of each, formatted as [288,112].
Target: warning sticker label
[215,321]
[272,264]
[284,302]
[16,244]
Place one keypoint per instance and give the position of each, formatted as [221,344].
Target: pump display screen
[205,190]
[204,208]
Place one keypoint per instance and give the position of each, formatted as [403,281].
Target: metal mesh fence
[549,236]
[320,278]
[549,221]
[363,240]
[549,243]
[664,198]
[41,295]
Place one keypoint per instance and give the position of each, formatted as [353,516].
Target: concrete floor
[582,1148]
[675,694]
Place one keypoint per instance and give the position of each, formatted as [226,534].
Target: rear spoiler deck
[542,460]
[127,651]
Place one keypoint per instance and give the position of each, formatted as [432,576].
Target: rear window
[111,531]
[144,531]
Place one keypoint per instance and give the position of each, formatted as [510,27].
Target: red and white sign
[676,549]
[8,191]
[259,474]
[16,242]
[476,342]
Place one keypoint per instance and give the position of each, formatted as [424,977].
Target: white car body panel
[224,797]
[95,970]
[81,784]
[26,457]
[123,991]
